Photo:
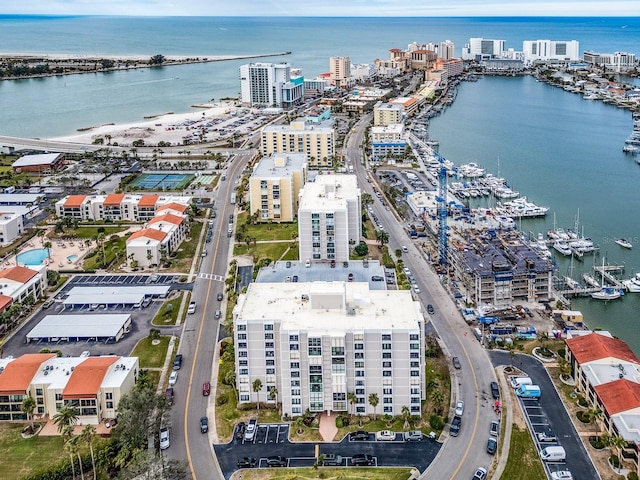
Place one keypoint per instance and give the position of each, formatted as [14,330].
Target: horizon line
[311,16]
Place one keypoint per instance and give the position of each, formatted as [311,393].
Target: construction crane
[441,200]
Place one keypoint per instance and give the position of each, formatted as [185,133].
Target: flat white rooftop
[113,295]
[279,165]
[358,308]
[329,191]
[79,326]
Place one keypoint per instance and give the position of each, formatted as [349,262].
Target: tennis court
[206,179]
[162,181]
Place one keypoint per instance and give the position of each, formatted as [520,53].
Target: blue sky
[325,7]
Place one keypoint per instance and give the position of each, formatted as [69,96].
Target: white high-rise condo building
[270,85]
[446,50]
[329,218]
[480,48]
[314,343]
[550,50]
[316,140]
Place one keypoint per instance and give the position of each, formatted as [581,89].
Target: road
[460,456]
[199,339]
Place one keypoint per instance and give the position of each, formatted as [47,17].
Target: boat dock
[604,272]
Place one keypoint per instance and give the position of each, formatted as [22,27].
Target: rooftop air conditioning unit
[46,372]
[67,372]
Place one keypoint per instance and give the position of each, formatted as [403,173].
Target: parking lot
[272,439]
[130,280]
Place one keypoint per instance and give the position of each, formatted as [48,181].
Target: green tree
[406,416]
[257,386]
[373,401]
[88,435]
[273,395]
[352,398]
[67,434]
[594,415]
[66,417]
[382,237]
[27,407]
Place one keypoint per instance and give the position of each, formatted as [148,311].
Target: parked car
[164,438]
[307,264]
[561,475]
[288,264]
[246,462]
[546,437]
[204,253]
[173,378]
[359,436]
[362,459]
[240,429]
[218,314]
[456,424]
[404,249]
[459,407]
[250,432]
[494,429]
[350,277]
[220,296]
[385,435]
[331,460]
[495,390]
[430,309]
[481,474]
[333,264]
[177,362]
[192,308]
[169,395]
[48,303]
[206,389]
[204,425]
[413,436]
[456,363]
[276,461]
[492,446]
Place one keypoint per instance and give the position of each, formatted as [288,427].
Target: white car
[192,308]
[459,408]
[385,435]
[406,271]
[416,288]
[173,378]
[164,438]
[561,475]
[481,474]
[404,249]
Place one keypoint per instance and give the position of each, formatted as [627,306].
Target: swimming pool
[72,258]
[33,257]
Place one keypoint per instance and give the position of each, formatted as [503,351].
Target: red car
[206,389]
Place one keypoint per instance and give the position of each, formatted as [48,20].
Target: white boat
[562,247]
[607,293]
[571,283]
[540,245]
[624,243]
[582,245]
[633,284]
[590,280]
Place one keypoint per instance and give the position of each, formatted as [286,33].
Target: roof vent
[72,368]
[621,375]
[46,372]
[351,311]
[67,372]
[305,298]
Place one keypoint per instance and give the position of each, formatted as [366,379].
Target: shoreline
[85,63]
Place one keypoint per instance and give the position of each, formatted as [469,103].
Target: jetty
[604,272]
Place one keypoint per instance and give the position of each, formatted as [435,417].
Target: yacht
[624,243]
[633,284]
[607,293]
[590,280]
[571,283]
[582,245]
[562,247]
[540,245]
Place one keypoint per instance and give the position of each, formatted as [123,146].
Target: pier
[604,272]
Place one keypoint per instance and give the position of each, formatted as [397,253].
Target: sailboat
[606,293]
[571,283]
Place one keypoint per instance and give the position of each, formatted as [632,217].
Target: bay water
[559,150]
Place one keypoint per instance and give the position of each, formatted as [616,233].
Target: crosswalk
[210,276]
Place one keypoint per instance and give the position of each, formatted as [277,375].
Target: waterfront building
[387,113]
[275,184]
[387,140]
[43,163]
[616,62]
[315,87]
[422,59]
[329,218]
[607,374]
[316,342]
[340,70]
[270,85]
[446,50]
[11,227]
[502,65]
[436,75]
[363,72]
[19,282]
[501,269]
[453,66]
[316,140]
[117,207]
[409,104]
[550,51]
[479,48]
[93,385]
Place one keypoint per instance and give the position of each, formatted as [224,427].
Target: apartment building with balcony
[161,236]
[340,71]
[317,342]
[387,114]
[316,140]
[329,218]
[270,85]
[550,50]
[387,140]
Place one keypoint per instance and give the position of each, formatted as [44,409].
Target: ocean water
[554,147]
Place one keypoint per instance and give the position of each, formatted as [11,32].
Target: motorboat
[590,280]
[571,283]
[562,247]
[633,284]
[607,293]
[624,243]
[582,245]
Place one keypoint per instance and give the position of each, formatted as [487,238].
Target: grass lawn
[292,254]
[21,456]
[91,232]
[29,234]
[262,250]
[151,356]
[111,250]
[154,377]
[524,462]
[187,250]
[267,231]
[358,473]
[168,313]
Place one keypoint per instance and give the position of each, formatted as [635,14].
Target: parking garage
[99,327]
[92,298]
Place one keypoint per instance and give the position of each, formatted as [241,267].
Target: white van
[553,453]
[516,382]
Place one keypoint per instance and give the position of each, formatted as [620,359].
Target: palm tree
[28,406]
[41,235]
[406,416]
[67,433]
[351,397]
[257,386]
[382,237]
[373,401]
[74,447]
[88,434]
[66,417]
[273,395]
[594,414]
[48,246]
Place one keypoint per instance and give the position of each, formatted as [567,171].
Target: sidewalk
[507,407]
[327,427]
